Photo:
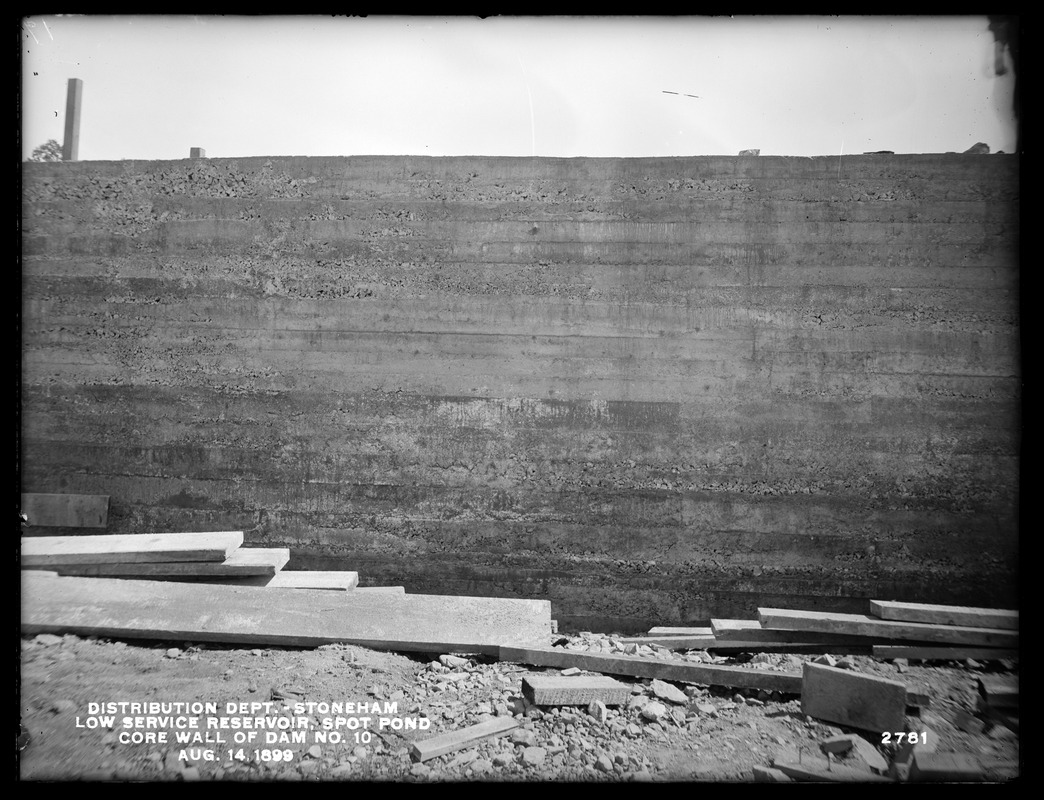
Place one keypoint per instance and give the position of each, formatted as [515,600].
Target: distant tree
[48,151]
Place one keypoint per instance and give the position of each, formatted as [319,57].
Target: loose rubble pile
[663,732]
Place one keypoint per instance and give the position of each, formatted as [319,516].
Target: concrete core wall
[650,390]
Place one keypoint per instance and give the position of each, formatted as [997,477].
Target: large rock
[666,691]
[653,711]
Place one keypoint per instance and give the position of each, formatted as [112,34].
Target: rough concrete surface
[650,391]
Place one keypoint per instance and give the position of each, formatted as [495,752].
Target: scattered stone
[754,151]
[825,659]
[707,709]
[453,661]
[533,756]
[978,149]
[571,671]
[846,662]
[315,751]
[419,769]
[501,760]
[172,652]
[598,710]
[870,755]
[838,744]
[47,639]
[666,691]
[523,736]
[190,774]
[604,764]
[653,710]
[971,663]
[463,759]
[642,776]
[342,770]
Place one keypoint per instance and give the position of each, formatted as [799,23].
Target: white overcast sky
[154,86]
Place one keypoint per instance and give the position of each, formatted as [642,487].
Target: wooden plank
[456,740]
[848,698]
[863,625]
[724,627]
[814,768]
[293,617]
[638,667]
[699,642]
[799,645]
[262,562]
[929,653]
[395,590]
[305,579]
[726,630]
[661,631]
[66,510]
[557,690]
[946,615]
[315,579]
[49,551]
[796,648]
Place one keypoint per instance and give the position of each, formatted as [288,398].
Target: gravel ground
[666,731]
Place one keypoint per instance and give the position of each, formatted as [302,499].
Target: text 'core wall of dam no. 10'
[649,390]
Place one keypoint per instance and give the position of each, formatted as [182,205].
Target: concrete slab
[297,617]
[848,698]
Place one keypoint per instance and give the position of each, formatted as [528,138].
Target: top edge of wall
[594,159]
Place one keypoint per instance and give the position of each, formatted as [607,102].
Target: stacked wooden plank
[205,557]
[891,630]
[135,586]
[911,630]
